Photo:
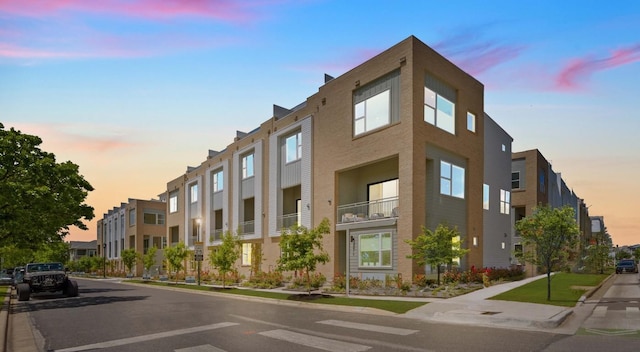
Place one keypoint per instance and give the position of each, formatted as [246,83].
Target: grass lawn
[3,292]
[566,289]
[399,307]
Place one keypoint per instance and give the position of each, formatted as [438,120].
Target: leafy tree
[55,251]
[636,254]
[437,248]
[302,249]
[149,259]
[14,256]
[39,198]
[224,256]
[549,238]
[623,254]
[176,255]
[129,258]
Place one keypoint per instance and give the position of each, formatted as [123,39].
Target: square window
[372,113]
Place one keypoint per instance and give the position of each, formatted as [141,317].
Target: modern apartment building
[137,224]
[533,183]
[396,143]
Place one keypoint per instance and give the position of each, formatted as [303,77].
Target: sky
[135,91]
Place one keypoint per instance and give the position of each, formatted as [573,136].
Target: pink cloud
[576,71]
[225,10]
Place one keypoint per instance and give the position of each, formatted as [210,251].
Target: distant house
[79,249]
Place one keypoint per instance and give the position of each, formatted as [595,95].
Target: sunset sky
[136,91]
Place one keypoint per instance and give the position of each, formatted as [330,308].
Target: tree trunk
[438,274]
[308,282]
[548,285]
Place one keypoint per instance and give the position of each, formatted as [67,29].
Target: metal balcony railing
[216,235]
[369,210]
[288,220]
[246,228]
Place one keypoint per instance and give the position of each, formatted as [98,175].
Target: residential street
[112,316]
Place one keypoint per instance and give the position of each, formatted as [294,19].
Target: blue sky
[134,91]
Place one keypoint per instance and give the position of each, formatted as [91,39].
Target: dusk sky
[135,91]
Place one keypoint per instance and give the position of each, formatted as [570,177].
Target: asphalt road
[110,316]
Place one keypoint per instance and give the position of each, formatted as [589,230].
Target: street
[111,316]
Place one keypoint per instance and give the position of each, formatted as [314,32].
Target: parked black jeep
[45,277]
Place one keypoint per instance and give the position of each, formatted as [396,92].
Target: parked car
[18,274]
[6,279]
[45,277]
[626,266]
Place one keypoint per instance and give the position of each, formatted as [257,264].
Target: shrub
[263,279]
[316,280]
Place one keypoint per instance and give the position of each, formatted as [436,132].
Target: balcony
[246,228]
[216,235]
[288,220]
[386,208]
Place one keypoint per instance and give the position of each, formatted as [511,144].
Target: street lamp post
[198,261]
[104,260]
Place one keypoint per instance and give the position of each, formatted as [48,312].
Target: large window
[193,191]
[439,111]
[451,180]
[173,202]
[247,166]
[505,201]
[218,181]
[153,218]
[132,217]
[372,113]
[293,145]
[515,180]
[375,250]
[485,197]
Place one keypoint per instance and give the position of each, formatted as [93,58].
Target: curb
[590,293]
[4,320]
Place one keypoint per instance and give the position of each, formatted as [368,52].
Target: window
[193,191]
[439,111]
[451,180]
[246,253]
[218,181]
[132,217]
[541,180]
[471,122]
[173,202]
[504,148]
[505,201]
[485,197]
[145,244]
[153,218]
[372,113]
[375,250]
[293,148]
[515,180]
[247,166]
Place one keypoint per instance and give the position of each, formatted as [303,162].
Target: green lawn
[3,292]
[566,289]
[399,307]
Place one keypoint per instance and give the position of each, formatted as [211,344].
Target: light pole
[104,260]
[199,244]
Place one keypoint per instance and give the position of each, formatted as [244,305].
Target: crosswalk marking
[369,327]
[633,312]
[201,348]
[136,339]
[599,312]
[314,341]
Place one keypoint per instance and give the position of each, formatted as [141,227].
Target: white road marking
[314,341]
[136,339]
[599,312]
[201,348]
[369,327]
[633,312]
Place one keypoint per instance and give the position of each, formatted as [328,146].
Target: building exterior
[79,249]
[534,183]
[137,224]
[396,143]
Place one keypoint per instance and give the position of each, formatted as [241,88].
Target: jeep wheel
[72,289]
[24,292]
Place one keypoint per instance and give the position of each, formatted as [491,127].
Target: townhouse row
[397,143]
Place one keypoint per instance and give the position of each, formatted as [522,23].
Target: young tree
[224,256]
[53,251]
[129,258]
[149,259]
[549,238]
[176,256]
[302,249]
[39,198]
[437,247]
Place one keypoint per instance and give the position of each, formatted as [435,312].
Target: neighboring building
[534,183]
[79,249]
[394,144]
[496,203]
[137,224]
